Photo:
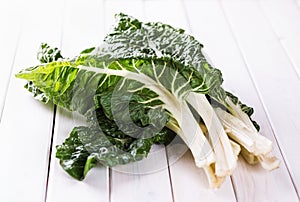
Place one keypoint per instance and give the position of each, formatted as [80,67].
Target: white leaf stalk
[240,128]
[215,152]
[214,180]
[236,148]
[190,132]
[225,158]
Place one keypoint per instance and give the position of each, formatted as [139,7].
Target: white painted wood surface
[254,42]
[9,36]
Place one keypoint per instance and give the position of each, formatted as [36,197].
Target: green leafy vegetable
[132,38]
[87,145]
[146,83]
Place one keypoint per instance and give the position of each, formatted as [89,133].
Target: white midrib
[225,158]
[163,93]
[192,134]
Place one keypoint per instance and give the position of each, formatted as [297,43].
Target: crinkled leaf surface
[87,145]
[132,38]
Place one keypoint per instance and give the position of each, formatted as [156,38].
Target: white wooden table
[256,44]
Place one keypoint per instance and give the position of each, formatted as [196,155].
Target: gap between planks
[50,151]
[109,174]
[170,176]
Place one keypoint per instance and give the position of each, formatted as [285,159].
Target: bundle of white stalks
[216,145]
[224,136]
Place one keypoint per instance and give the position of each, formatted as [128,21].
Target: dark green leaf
[86,146]
[47,54]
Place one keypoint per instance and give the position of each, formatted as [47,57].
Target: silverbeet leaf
[87,146]
[74,158]
[132,38]
[68,85]
[129,89]
[36,92]
[46,54]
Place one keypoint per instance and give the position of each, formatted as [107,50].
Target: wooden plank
[270,69]
[8,39]
[26,125]
[139,181]
[284,18]
[188,182]
[83,28]
[147,180]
